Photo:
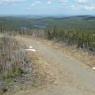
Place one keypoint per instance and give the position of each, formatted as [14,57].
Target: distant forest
[75,30]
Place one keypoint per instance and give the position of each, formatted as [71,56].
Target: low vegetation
[12,60]
[19,67]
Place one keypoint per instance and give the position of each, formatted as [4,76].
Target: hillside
[84,23]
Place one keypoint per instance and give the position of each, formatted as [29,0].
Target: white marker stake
[30,47]
[93,68]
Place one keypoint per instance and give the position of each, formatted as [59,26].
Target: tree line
[80,39]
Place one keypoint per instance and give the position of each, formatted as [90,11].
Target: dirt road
[72,76]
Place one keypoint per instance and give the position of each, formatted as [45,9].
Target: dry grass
[41,71]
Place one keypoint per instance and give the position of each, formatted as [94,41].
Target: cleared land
[72,76]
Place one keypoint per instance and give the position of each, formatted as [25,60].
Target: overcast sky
[47,7]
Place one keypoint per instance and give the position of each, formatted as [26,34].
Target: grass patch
[13,73]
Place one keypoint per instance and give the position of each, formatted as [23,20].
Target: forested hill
[83,23]
[74,30]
